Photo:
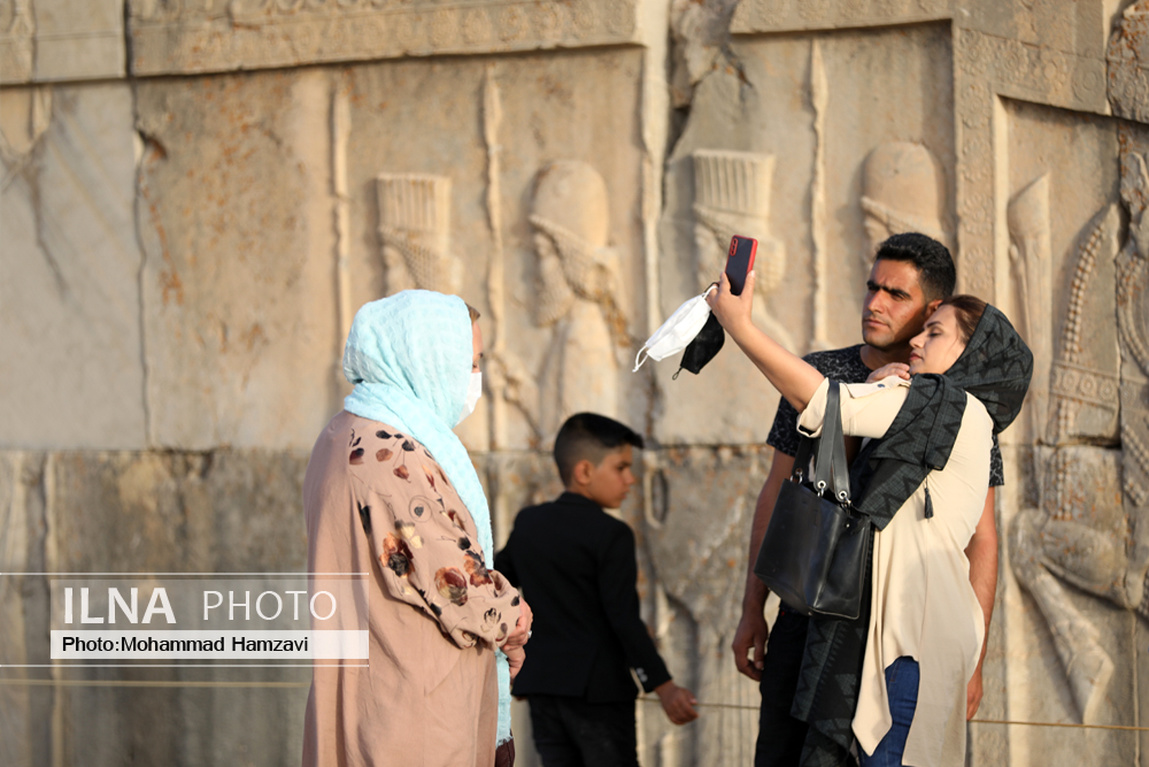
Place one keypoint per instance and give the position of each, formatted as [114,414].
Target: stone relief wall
[245,34]
[183,255]
[70,271]
[48,41]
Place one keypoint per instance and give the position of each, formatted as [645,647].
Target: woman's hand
[515,658]
[733,312]
[899,369]
[513,647]
[522,630]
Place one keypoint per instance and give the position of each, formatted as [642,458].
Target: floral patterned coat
[376,502]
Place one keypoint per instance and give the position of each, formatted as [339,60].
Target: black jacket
[576,567]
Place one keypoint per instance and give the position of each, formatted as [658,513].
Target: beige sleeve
[427,546]
[868,409]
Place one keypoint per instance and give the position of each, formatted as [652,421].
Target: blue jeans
[902,690]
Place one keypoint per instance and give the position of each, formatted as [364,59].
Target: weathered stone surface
[131,721]
[223,511]
[16,29]
[69,270]
[785,15]
[24,709]
[1128,61]
[54,40]
[252,34]
[79,42]
[238,312]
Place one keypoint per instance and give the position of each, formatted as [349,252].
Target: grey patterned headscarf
[995,367]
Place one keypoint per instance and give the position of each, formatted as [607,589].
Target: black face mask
[702,349]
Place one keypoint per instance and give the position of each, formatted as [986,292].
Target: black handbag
[816,546]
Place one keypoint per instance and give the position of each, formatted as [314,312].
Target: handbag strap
[830,469]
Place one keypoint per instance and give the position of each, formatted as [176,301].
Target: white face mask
[677,332]
[474,391]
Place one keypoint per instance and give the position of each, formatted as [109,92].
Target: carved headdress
[902,190]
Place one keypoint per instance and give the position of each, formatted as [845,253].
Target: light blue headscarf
[409,357]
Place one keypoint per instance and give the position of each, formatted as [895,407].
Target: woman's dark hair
[968,310]
[474,313]
[936,273]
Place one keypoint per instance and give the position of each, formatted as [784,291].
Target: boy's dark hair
[936,273]
[590,437]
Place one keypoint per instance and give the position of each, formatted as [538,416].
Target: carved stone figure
[27,115]
[415,233]
[577,295]
[1031,255]
[1127,57]
[17,26]
[902,191]
[1092,527]
[732,196]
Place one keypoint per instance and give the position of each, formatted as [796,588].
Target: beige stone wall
[196,197]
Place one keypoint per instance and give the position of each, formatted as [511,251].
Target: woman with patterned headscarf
[894,680]
[391,492]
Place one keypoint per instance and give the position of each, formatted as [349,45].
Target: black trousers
[780,736]
[570,732]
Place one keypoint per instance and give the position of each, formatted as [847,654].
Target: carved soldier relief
[1091,529]
[902,187]
[732,196]
[415,233]
[577,294]
[1030,255]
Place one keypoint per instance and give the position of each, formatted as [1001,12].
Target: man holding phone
[912,273]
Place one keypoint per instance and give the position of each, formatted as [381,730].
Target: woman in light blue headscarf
[391,492]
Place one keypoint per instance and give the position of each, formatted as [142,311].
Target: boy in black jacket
[576,566]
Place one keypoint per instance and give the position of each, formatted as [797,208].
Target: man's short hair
[590,437]
[936,273]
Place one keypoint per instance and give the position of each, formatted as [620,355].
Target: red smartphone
[740,261]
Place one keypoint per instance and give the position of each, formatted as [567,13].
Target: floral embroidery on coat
[424,539]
